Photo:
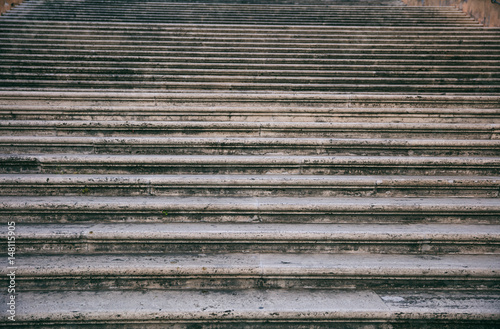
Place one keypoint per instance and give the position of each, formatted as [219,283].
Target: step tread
[280,129]
[414,68]
[262,264]
[233,96]
[246,159]
[297,110]
[214,125]
[255,232]
[251,180]
[264,204]
[318,141]
[258,305]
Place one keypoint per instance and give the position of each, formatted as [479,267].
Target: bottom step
[255,309]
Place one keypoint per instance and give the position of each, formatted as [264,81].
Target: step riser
[353,168]
[145,74]
[50,215]
[170,32]
[271,324]
[232,133]
[236,59]
[252,11]
[280,22]
[214,282]
[296,104]
[266,52]
[404,23]
[208,10]
[234,18]
[242,17]
[267,185]
[246,129]
[320,114]
[32,26]
[207,45]
[238,117]
[228,86]
[159,67]
[479,81]
[222,148]
[318,8]
[74,36]
[329,18]
[243,191]
[44,247]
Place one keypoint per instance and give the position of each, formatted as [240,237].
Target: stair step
[247,271]
[260,58]
[250,164]
[196,86]
[68,209]
[256,78]
[230,164]
[266,14]
[368,53]
[251,129]
[252,100]
[94,65]
[232,45]
[247,146]
[193,238]
[75,35]
[250,185]
[232,20]
[258,75]
[277,114]
[86,28]
[318,309]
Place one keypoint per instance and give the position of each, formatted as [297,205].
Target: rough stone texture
[241,164]
[253,309]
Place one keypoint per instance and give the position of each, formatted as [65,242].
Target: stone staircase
[249,164]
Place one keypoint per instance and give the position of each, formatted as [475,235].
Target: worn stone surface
[241,164]
[312,307]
